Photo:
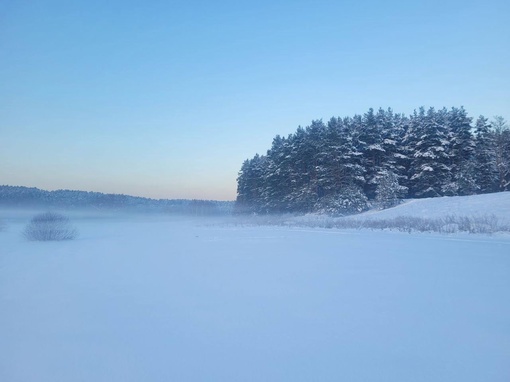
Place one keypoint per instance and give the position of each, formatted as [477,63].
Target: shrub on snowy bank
[50,226]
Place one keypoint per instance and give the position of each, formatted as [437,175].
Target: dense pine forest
[349,164]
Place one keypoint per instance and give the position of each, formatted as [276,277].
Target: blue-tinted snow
[164,299]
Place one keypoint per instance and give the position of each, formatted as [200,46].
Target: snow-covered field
[154,298]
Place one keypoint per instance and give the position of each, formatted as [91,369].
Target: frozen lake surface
[151,298]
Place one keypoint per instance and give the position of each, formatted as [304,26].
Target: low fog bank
[18,197]
[22,215]
[484,214]
[90,224]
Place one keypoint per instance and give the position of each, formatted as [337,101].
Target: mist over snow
[166,297]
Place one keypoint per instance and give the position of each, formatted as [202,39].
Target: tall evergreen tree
[370,144]
[461,153]
[250,183]
[486,169]
[502,139]
[430,164]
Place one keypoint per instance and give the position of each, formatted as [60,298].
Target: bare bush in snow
[50,226]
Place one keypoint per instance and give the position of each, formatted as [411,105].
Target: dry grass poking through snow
[485,224]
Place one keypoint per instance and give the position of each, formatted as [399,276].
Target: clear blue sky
[166,99]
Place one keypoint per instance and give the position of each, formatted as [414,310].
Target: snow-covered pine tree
[370,144]
[389,192]
[276,176]
[339,171]
[303,193]
[502,138]
[461,153]
[430,170]
[392,159]
[486,168]
[249,185]
[403,152]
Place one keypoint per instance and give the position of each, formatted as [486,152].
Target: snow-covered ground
[497,204]
[489,213]
[154,298]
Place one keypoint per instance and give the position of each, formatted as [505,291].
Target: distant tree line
[17,196]
[347,164]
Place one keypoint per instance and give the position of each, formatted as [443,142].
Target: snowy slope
[146,298]
[497,204]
